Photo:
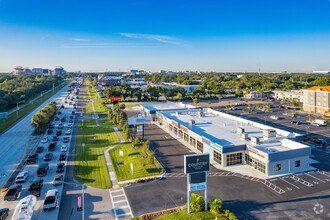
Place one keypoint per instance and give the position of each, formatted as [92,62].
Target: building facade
[293,95]
[317,99]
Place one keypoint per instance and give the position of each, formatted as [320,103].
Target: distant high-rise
[59,70]
[21,70]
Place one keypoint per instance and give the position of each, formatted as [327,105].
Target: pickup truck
[35,187]
[13,192]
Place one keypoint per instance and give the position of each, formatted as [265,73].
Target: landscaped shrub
[216,206]
[197,203]
[227,212]
[232,216]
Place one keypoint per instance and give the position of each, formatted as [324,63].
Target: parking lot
[68,116]
[247,198]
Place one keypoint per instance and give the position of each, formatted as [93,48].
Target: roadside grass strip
[105,122]
[90,166]
[141,168]
[99,108]
[12,118]
[193,216]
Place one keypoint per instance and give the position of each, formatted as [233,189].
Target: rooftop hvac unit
[255,140]
[192,122]
[269,133]
[200,114]
[177,113]
[240,130]
[244,136]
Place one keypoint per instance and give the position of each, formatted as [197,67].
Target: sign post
[121,153]
[196,167]
[83,145]
[132,168]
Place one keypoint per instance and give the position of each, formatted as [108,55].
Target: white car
[63,148]
[22,177]
[44,140]
[51,199]
[275,117]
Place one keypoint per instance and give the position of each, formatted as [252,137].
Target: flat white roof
[168,106]
[223,131]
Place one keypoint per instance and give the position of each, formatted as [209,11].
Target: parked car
[55,138]
[233,108]
[32,158]
[42,169]
[44,140]
[316,124]
[56,119]
[275,117]
[60,126]
[60,168]
[40,149]
[281,106]
[4,213]
[52,147]
[58,180]
[13,192]
[250,107]
[59,112]
[51,126]
[296,122]
[22,177]
[65,140]
[50,131]
[35,187]
[62,156]
[51,199]
[48,157]
[63,119]
[63,148]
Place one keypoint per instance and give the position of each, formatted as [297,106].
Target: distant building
[162,71]
[321,71]
[37,71]
[21,70]
[47,72]
[293,95]
[317,99]
[255,94]
[112,80]
[59,70]
[188,88]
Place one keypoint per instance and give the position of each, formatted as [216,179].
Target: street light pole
[17,107]
[83,202]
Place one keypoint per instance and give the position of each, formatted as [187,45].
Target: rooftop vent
[269,133]
[255,140]
[240,130]
[200,114]
[244,136]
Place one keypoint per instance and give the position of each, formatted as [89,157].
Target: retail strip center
[232,140]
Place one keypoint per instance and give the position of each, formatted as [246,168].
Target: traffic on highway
[44,170]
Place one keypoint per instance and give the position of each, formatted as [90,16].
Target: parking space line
[120,201]
[289,183]
[295,177]
[117,190]
[324,173]
[117,196]
[315,177]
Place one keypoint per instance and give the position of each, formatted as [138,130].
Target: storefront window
[256,164]
[200,146]
[217,157]
[297,163]
[186,137]
[278,167]
[180,134]
[234,159]
[192,141]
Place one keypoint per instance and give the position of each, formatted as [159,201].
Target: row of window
[256,164]
[279,166]
[233,159]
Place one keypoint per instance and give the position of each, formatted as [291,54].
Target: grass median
[12,118]
[141,168]
[90,166]
[99,108]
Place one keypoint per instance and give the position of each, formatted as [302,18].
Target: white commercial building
[231,140]
[293,95]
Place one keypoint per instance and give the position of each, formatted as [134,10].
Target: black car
[73,112]
[42,169]
[63,120]
[48,157]
[32,158]
[59,113]
[13,192]
[295,122]
[71,117]
[60,168]
[51,126]
[56,119]
[50,132]
[62,106]
[40,149]
[62,156]
[58,133]
[3,213]
[55,138]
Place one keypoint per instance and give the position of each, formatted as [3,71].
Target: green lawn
[99,108]
[140,168]
[193,216]
[12,118]
[90,167]
[105,122]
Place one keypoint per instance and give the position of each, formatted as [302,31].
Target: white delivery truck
[320,122]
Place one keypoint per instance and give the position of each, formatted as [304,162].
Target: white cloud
[79,39]
[160,38]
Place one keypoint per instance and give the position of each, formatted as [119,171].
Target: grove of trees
[17,88]
[42,118]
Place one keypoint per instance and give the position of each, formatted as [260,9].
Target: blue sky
[206,35]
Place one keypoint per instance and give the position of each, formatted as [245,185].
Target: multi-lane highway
[13,141]
[25,128]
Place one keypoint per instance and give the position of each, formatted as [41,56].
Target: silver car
[58,180]
[51,199]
